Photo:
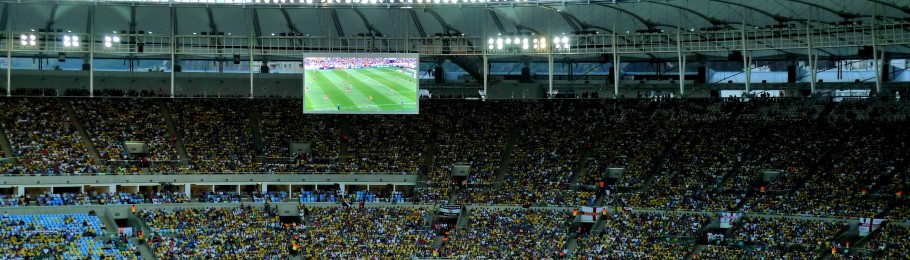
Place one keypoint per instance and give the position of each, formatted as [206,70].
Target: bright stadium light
[508,40]
[490,41]
[499,47]
[499,41]
[524,46]
[490,46]
[517,40]
[565,39]
[109,41]
[556,40]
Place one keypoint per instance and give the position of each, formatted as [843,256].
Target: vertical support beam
[9,64]
[681,67]
[252,44]
[875,53]
[682,75]
[616,60]
[747,65]
[187,191]
[615,64]
[486,74]
[811,54]
[878,58]
[91,54]
[814,69]
[746,61]
[173,51]
[550,73]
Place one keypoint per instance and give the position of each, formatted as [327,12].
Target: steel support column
[173,63]
[9,64]
[486,73]
[550,73]
[878,60]
[681,67]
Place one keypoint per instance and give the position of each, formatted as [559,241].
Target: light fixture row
[500,43]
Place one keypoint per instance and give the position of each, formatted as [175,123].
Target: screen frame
[415,56]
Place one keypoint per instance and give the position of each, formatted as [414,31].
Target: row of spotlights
[71,41]
[525,43]
[29,40]
[109,40]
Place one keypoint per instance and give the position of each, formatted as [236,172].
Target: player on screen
[339,106]
[325,97]
[349,89]
[371,97]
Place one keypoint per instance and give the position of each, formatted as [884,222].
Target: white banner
[728,218]
[589,214]
[867,225]
[450,210]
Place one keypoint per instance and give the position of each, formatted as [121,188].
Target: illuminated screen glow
[360,83]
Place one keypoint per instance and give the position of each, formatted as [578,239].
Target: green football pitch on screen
[360,85]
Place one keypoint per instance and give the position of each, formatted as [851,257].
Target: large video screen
[360,83]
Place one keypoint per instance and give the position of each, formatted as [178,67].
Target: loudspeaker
[805,92]
[178,68]
[525,75]
[735,56]
[702,75]
[264,69]
[439,74]
[61,57]
[715,93]
[791,73]
[865,51]
[886,68]
[140,47]
[86,66]
[236,59]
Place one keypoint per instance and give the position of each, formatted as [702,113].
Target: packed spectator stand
[829,160]
[59,236]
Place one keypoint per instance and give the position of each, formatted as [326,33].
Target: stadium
[454,129]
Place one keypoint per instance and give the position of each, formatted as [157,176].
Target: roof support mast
[876,57]
[747,58]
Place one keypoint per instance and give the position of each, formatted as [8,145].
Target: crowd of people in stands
[676,154]
[366,233]
[60,236]
[775,238]
[510,234]
[113,122]
[642,235]
[280,126]
[889,242]
[218,233]
[44,139]
[92,198]
[465,135]
[216,134]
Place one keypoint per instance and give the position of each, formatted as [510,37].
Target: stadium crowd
[642,235]
[366,233]
[775,238]
[112,122]
[92,198]
[221,233]
[510,234]
[44,139]
[216,134]
[59,236]
[281,125]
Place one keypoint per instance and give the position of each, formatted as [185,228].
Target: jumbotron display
[360,83]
